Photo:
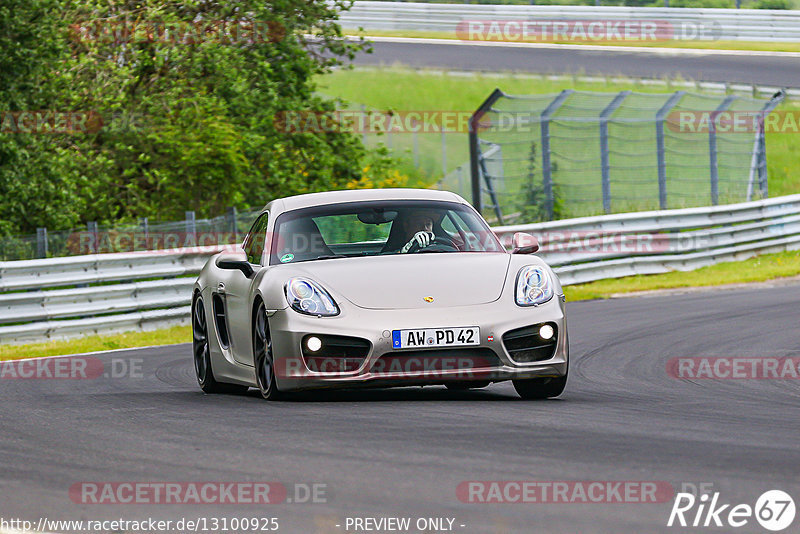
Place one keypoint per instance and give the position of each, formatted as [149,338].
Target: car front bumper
[289,328]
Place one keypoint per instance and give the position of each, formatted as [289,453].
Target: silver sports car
[378,288]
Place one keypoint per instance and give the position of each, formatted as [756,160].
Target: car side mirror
[524,243]
[232,264]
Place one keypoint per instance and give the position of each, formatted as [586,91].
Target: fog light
[545,332]
[314,344]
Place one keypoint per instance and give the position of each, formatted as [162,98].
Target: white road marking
[110,351]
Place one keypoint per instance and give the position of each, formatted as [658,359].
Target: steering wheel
[438,240]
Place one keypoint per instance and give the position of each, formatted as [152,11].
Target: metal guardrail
[153,290]
[31,310]
[717,24]
[612,246]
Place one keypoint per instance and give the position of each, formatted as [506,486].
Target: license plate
[436,337]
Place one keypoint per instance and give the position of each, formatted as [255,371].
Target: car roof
[357,195]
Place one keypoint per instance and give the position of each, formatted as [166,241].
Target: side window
[254,244]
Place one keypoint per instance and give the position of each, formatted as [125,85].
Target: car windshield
[377,228]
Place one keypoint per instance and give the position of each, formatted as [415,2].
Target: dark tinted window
[254,244]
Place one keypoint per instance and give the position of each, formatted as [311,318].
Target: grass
[758,269]
[698,44]
[401,88]
[168,336]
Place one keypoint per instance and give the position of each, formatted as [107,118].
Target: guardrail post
[605,167]
[474,149]
[712,148]
[41,242]
[660,150]
[91,227]
[544,126]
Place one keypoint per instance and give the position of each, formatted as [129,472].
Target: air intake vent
[525,345]
[219,321]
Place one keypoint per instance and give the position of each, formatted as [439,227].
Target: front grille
[338,354]
[525,346]
[417,361]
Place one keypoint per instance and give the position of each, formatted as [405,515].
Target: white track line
[585,48]
[110,351]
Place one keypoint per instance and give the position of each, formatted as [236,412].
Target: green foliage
[187,115]
[701,3]
[773,4]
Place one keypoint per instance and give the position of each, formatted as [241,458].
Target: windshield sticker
[286,258]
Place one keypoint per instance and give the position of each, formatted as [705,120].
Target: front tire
[202,355]
[264,361]
[540,388]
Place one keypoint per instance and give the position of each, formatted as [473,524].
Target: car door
[239,290]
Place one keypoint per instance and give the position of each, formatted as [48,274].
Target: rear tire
[202,355]
[264,361]
[540,388]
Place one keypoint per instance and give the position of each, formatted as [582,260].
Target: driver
[418,228]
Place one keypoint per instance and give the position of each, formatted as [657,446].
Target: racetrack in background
[739,67]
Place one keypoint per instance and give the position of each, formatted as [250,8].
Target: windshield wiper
[330,257]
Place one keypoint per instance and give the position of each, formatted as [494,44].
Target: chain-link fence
[146,235]
[540,157]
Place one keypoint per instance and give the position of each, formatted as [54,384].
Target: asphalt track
[747,68]
[403,452]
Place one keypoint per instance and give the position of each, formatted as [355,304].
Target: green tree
[188,100]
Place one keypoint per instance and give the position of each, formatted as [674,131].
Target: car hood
[403,281]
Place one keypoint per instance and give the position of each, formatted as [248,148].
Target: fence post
[544,126]
[660,150]
[191,228]
[91,226]
[362,120]
[763,183]
[474,149]
[605,167]
[41,242]
[444,152]
[415,141]
[712,148]
[232,219]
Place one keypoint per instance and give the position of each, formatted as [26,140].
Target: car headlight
[534,286]
[306,296]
